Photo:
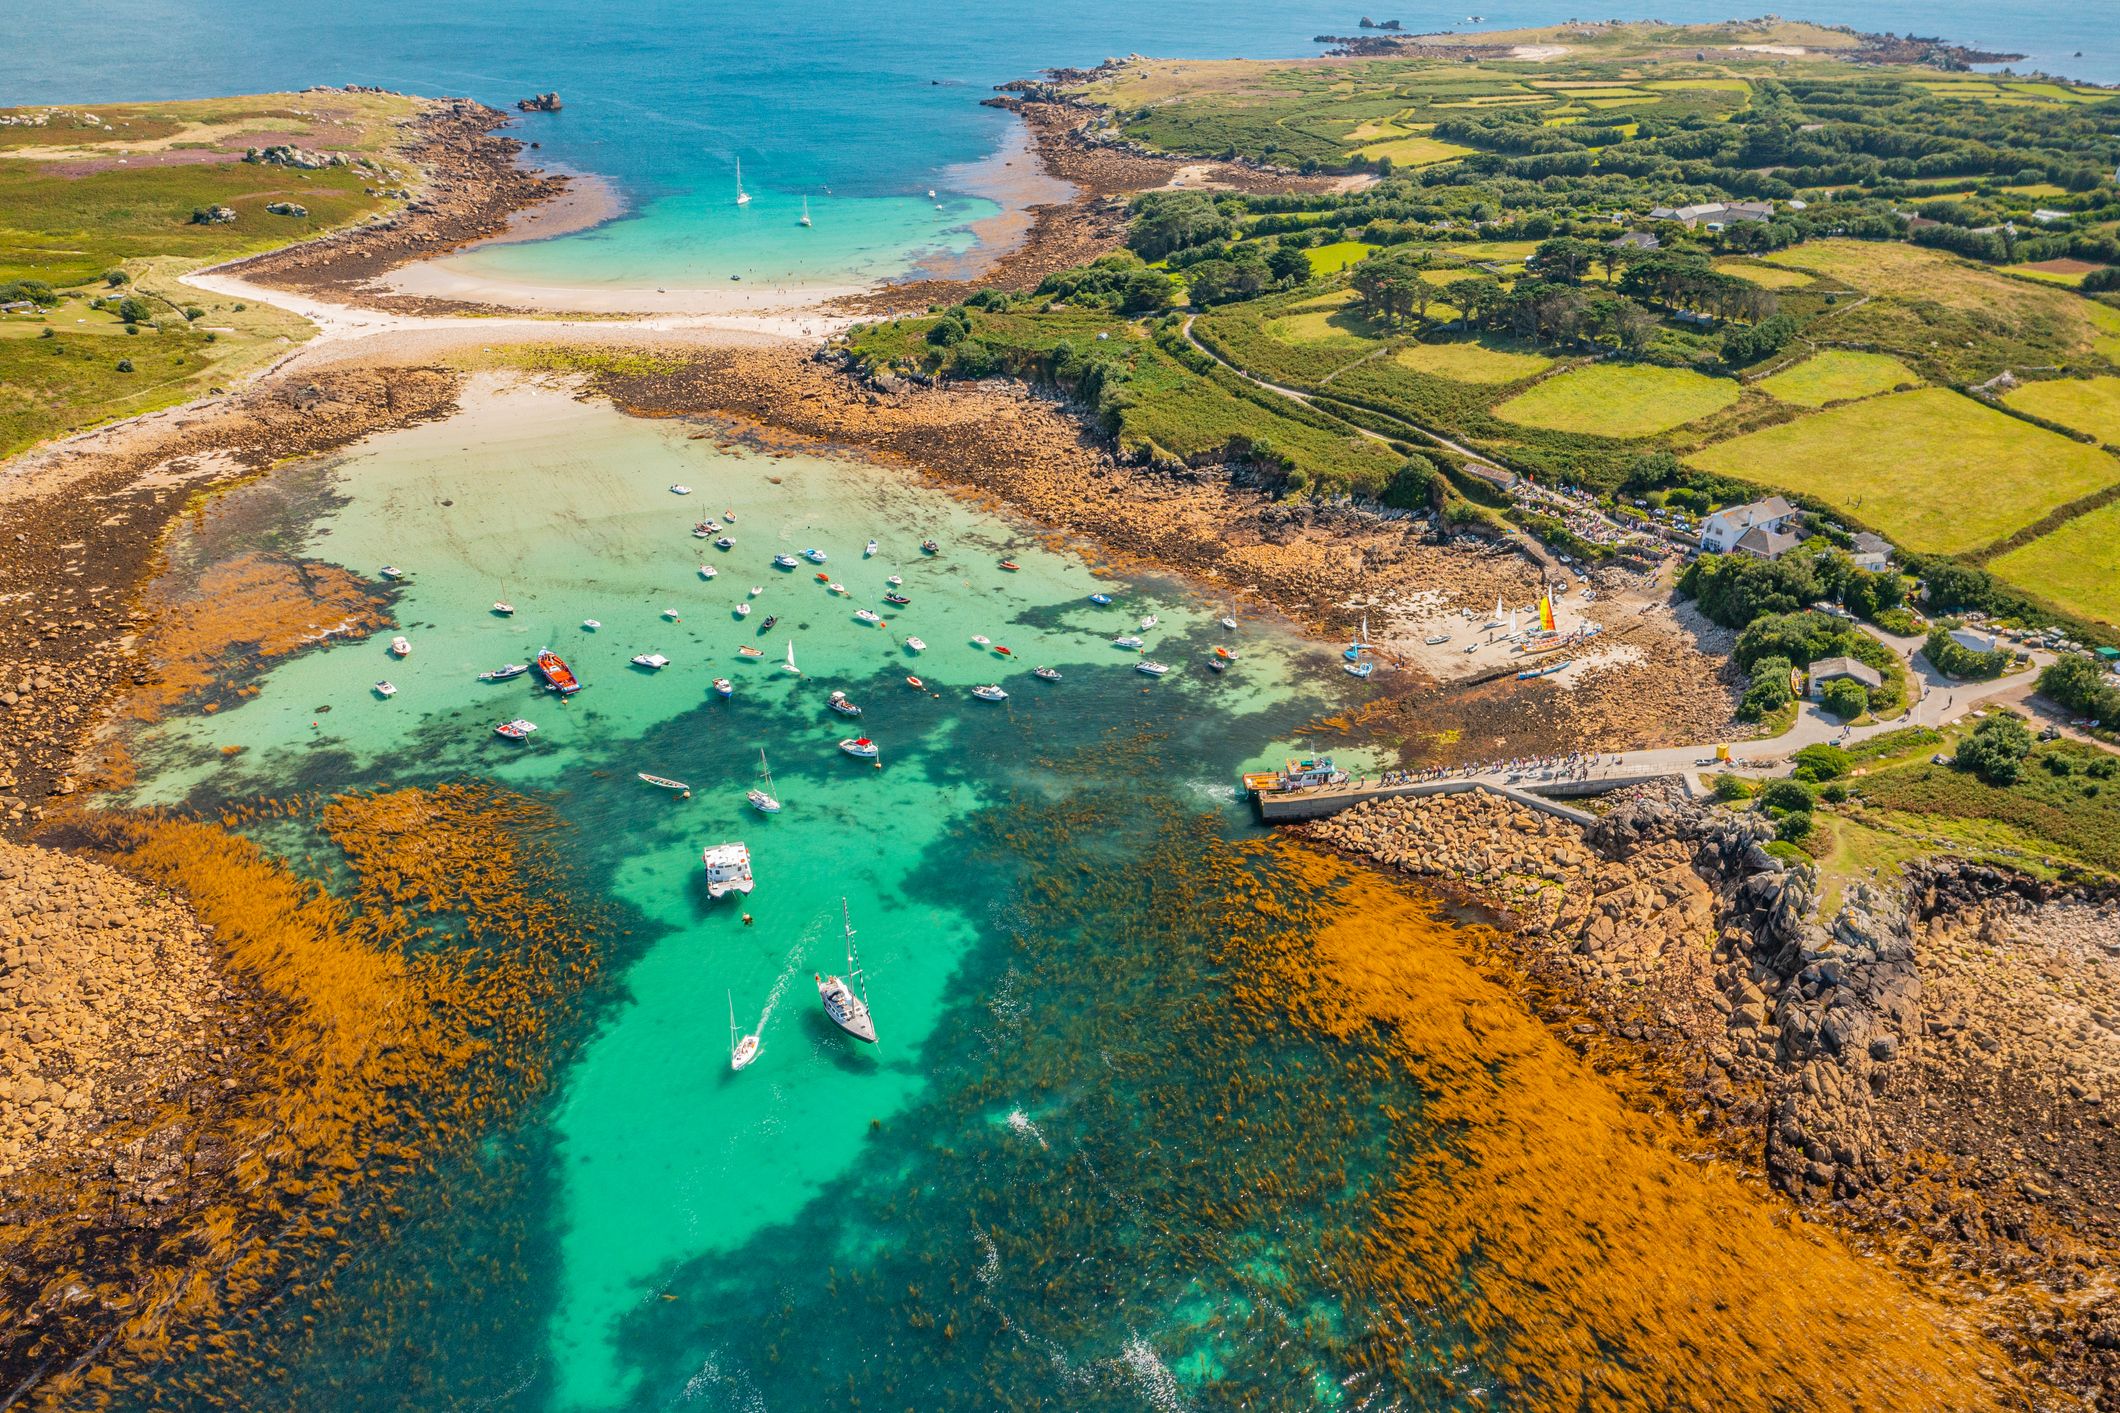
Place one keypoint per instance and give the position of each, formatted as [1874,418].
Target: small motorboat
[1436,640]
[870,550]
[784,561]
[1217,665]
[895,581]
[558,676]
[929,547]
[1001,651]
[767,626]
[982,640]
[757,589]
[1046,674]
[1225,654]
[708,571]
[1010,565]
[505,671]
[654,662]
[677,490]
[835,588]
[391,571]
[672,615]
[743,610]
[1153,669]
[504,608]
[591,624]
[400,646]
[915,645]
[991,692]
[899,599]
[1230,624]
[723,687]
[516,730]
[916,684]
[748,651]
[728,869]
[724,543]
[860,747]
[822,578]
[386,689]
[1359,669]
[1149,622]
[742,1050]
[1100,600]
[868,615]
[843,704]
[1129,642]
[664,782]
[815,556]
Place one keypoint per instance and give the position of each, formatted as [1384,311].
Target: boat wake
[727,1389]
[1021,1123]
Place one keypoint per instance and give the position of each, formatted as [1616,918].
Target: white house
[1720,532]
[1872,552]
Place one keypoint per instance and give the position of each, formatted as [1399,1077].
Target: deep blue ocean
[859,107]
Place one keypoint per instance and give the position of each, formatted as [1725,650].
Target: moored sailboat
[848,1007]
[761,796]
[744,1050]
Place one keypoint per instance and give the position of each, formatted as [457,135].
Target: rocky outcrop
[104,990]
[287,155]
[539,103]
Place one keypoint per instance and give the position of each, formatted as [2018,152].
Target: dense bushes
[1996,750]
[1770,690]
[1845,698]
[2078,682]
[1952,658]
[1734,589]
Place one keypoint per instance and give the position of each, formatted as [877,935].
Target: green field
[1765,276]
[1472,361]
[1838,374]
[2076,566]
[1331,322]
[1331,259]
[2088,404]
[1934,470]
[1415,151]
[1619,400]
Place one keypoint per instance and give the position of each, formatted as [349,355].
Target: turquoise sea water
[861,106]
[660,1177]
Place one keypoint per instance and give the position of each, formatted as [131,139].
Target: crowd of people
[1573,765]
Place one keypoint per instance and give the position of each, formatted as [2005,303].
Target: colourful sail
[1545,612]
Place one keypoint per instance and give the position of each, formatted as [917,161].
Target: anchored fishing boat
[558,676]
[982,640]
[784,560]
[724,543]
[1129,642]
[761,795]
[723,687]
[386,689]
[767,626]
[870,550]
[915,645]
[835,588]
[1217,665]
[847,1007]
[503,608]
[815,556]
[860,747]
[895,581]
[1047,674]
[703,529]
[391,571]
[516,730]
[929,547]
[1100,600]
[742,1051]
[748,651]
[400,646]
[728,869]
[677,490]
[1151,668]
[899,599]
[664,782]
[991,692]
[654,662]
[757,589]
[1010,565]
[1001,651]
[1149,621]
[672,614]
[743,610]
[843,704]
[868,615]
[591,624]
[708,571]
[1225,654]
[915,683]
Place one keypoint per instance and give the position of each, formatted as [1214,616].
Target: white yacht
[742,1050]
[400,646]
[805,212]
[761,795]
[655,662]
[386,689]
[990,693]
[743,198]
[728,869]
[846,1001]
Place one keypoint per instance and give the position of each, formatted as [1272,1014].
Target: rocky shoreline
[1928,1066]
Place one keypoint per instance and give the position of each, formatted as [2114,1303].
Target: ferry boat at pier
[1303,774]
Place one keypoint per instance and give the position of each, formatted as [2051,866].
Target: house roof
[1828,668]
[1751,512]
[1767,544]
[1641,240]
[1868,543]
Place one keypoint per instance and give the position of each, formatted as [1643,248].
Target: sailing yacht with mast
[762,797]
[847,1006]
[805,212]
[741,1051]
[743,198]
[791,667]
